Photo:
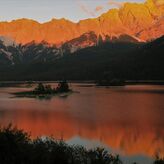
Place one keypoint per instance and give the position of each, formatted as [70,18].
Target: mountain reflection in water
[131,124]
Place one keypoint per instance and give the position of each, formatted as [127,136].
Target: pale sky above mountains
[45,10]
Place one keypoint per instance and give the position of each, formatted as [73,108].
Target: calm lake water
[126,120]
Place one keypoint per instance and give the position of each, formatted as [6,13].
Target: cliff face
[139,20]
[154,31]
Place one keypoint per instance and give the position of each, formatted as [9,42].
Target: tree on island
[40,88]
[63,86]
[47,89]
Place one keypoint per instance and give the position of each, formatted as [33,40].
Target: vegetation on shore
[110,82]
[18,148]
[46,90]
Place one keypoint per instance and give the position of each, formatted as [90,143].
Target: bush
[159,160]
[16,147]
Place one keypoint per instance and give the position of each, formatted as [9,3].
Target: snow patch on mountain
[8,41]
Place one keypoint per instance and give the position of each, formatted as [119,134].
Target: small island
[108,82]
[45,91]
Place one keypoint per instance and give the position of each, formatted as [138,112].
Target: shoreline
[91,82]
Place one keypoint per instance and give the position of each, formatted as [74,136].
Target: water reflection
[131,124]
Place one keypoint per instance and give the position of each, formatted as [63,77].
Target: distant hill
[13,54]
[122,60]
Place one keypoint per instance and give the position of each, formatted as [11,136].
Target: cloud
[85,9]
[115,3]
[109,3]
[99,8]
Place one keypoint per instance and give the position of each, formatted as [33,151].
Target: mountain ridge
[117,60]
[13,54]
[131,19]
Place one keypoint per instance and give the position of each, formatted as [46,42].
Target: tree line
[17,147]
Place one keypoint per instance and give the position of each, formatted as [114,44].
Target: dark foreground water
[126,120]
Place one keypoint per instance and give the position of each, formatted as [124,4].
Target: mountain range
[61,46]
[135,19]
[120,60]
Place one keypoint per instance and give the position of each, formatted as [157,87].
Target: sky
[45,10]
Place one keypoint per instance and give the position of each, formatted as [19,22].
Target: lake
[126,120]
